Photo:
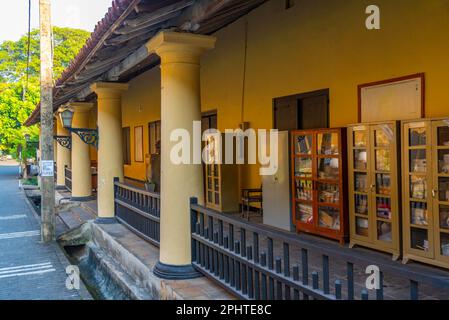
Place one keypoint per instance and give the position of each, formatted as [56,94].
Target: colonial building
[151,67]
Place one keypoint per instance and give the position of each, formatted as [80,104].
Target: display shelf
[319,182]
[426,191]
[373,171]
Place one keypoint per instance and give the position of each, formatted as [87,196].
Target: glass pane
[418,162]
[328,193]
[383,207]
[361,226]
[328,143]
[443,189]
[210,198]
[418,187]
[360,139]
[304,213]
[303,144]
[419,239]
[418,137]
[360,159]
[328,168]
[419,214]
[361,204]
[217,198]
[209,183]
[443,136]
[303,167]
[444,217]
[443,161]
[361,182]
[216,185]
[384,136]
[329,218]
[445,244]
[304,189]
[383,160]
[383,184]
[384,231]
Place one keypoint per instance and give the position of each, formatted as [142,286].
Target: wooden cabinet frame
[314,180]
[371,193]
[432,252]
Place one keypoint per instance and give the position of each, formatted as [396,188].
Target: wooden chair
[251,196]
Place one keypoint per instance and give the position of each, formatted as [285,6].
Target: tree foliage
[19,98]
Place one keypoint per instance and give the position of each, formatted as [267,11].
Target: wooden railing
[68,178]
[139,210]
[254,261]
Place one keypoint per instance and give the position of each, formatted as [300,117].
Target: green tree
[17,103]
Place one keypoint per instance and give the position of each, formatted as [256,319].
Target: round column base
[171,272]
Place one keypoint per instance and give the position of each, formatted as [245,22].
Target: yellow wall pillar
[81,169]
[180,105]
[63,154]
[110,149]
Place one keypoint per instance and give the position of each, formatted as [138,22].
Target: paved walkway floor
[29,269]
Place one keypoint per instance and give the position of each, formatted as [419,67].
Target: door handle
[434,193]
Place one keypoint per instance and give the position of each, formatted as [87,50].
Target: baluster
[243,240]
[231,236]
[226,260]
[365,295]
[202,224]
[206,235]
[414,295]
[211,229]
[270,253]
[220,232]
[286,250]
[305,270]
[278,283]
[315,280]
[263,262]
[238,284]
[338,289]
[326,287]
[217,266]
[249,275]
[350,273]
[256,247]
[380,291]
[296,278]
[197,247]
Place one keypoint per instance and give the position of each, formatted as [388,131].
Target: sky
[79,14]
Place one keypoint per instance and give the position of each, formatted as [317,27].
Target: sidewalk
[29,269]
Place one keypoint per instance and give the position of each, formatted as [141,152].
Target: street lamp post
[88,136]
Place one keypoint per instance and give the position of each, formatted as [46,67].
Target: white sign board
[47,168]
[397,100]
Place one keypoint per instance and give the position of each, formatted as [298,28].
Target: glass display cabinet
[319,182]
[221,180]
[374,205]
[426,191]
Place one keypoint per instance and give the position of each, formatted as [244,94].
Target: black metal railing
[139,210]
[255,261]
[68,178]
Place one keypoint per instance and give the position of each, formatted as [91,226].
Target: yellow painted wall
[313,45]
[141,104]
[324,44]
